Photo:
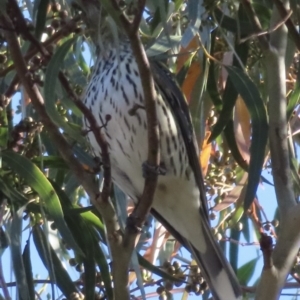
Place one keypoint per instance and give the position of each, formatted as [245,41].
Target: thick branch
[273,278]
[276,72]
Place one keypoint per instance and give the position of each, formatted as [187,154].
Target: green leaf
[51,76]
[28,269]
[162,45]
[246,271]
[3,129]
[41,18]
[84,157]
[178,4]
[108,6]
[155,270]
[15,233]
[105,273]
[4,241]
[62,278]
[246,228]
[34,177]
[293,100]
[250,94]
[50,162]
[230,93]
[11,193]
[237,215]
[212,87]
[231,141]
[82,226]
[234,249]
[95,221]
[243,27]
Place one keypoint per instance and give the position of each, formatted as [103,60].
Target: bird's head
[101,26]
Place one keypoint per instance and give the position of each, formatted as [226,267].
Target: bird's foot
[132,224]
[97,164]
[149,170]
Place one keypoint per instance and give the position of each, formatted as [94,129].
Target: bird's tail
[216,270]
[214,267]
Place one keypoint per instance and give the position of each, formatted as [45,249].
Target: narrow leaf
[234,249]
[28,269]
[249,92]
[18,265]
[230,92]
[3,129]
[41,18]
[51,76]
[62,277]
[293,100]
[82,226]
[39,182]
[246,271]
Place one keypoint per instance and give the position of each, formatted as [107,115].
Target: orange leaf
[185,53]
[190,79]
[242,128]
[205,153]
[227,61]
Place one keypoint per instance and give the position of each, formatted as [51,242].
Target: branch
[120,270]
[138,16]
[98,136]
[69,27]
[256,23]
[105,208]
[289,23]
[145,203]
[269,31]
[274,277]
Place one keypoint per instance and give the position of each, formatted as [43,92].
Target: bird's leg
[132,222]
[98,164]
[148,170]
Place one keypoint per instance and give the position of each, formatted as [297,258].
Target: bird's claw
[149,170]
[132,224]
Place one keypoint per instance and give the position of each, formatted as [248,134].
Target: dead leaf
[185,53]
[205,153]
[190,79]
[242,128]
[233,195]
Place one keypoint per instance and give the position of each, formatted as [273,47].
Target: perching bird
[179,201]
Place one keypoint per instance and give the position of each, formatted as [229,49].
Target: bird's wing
[167,85]
[214,266]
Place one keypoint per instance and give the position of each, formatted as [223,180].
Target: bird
[115,96]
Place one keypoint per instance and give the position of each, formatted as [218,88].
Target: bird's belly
[116,100]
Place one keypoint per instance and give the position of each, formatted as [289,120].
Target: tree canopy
[237,65]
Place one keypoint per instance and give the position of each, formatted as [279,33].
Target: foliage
[214,52]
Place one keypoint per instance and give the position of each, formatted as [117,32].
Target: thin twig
[255,22]
[289,23]
[52,40]
[138,16]
[265,32]
[98,136]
